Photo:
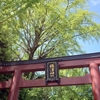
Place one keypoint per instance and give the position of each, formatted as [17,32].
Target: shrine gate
[91,60]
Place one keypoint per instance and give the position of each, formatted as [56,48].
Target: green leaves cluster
[52,28]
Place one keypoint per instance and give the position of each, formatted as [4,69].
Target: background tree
[54,26]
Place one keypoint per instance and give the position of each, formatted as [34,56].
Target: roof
[64,58]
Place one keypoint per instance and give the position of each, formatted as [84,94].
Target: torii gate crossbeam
[78,61]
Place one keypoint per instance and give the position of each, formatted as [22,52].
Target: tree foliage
[52,28]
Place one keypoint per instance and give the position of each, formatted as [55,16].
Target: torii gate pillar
[14,89]
[95,77]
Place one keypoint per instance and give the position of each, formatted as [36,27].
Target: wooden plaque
[51,72]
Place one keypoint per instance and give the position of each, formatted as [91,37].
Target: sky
[92,47]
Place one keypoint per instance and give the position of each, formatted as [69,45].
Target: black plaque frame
[52,72]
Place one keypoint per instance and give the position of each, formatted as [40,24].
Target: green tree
[9,8]
[52,28]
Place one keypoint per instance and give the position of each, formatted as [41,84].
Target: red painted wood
[63,82]
[39,67]
[5,84]
[14,89]
[41,82]
[24,68]
[95,77]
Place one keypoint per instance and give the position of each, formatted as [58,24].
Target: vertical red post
[95,77]
[14,89]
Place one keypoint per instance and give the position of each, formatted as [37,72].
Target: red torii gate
[78,61]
